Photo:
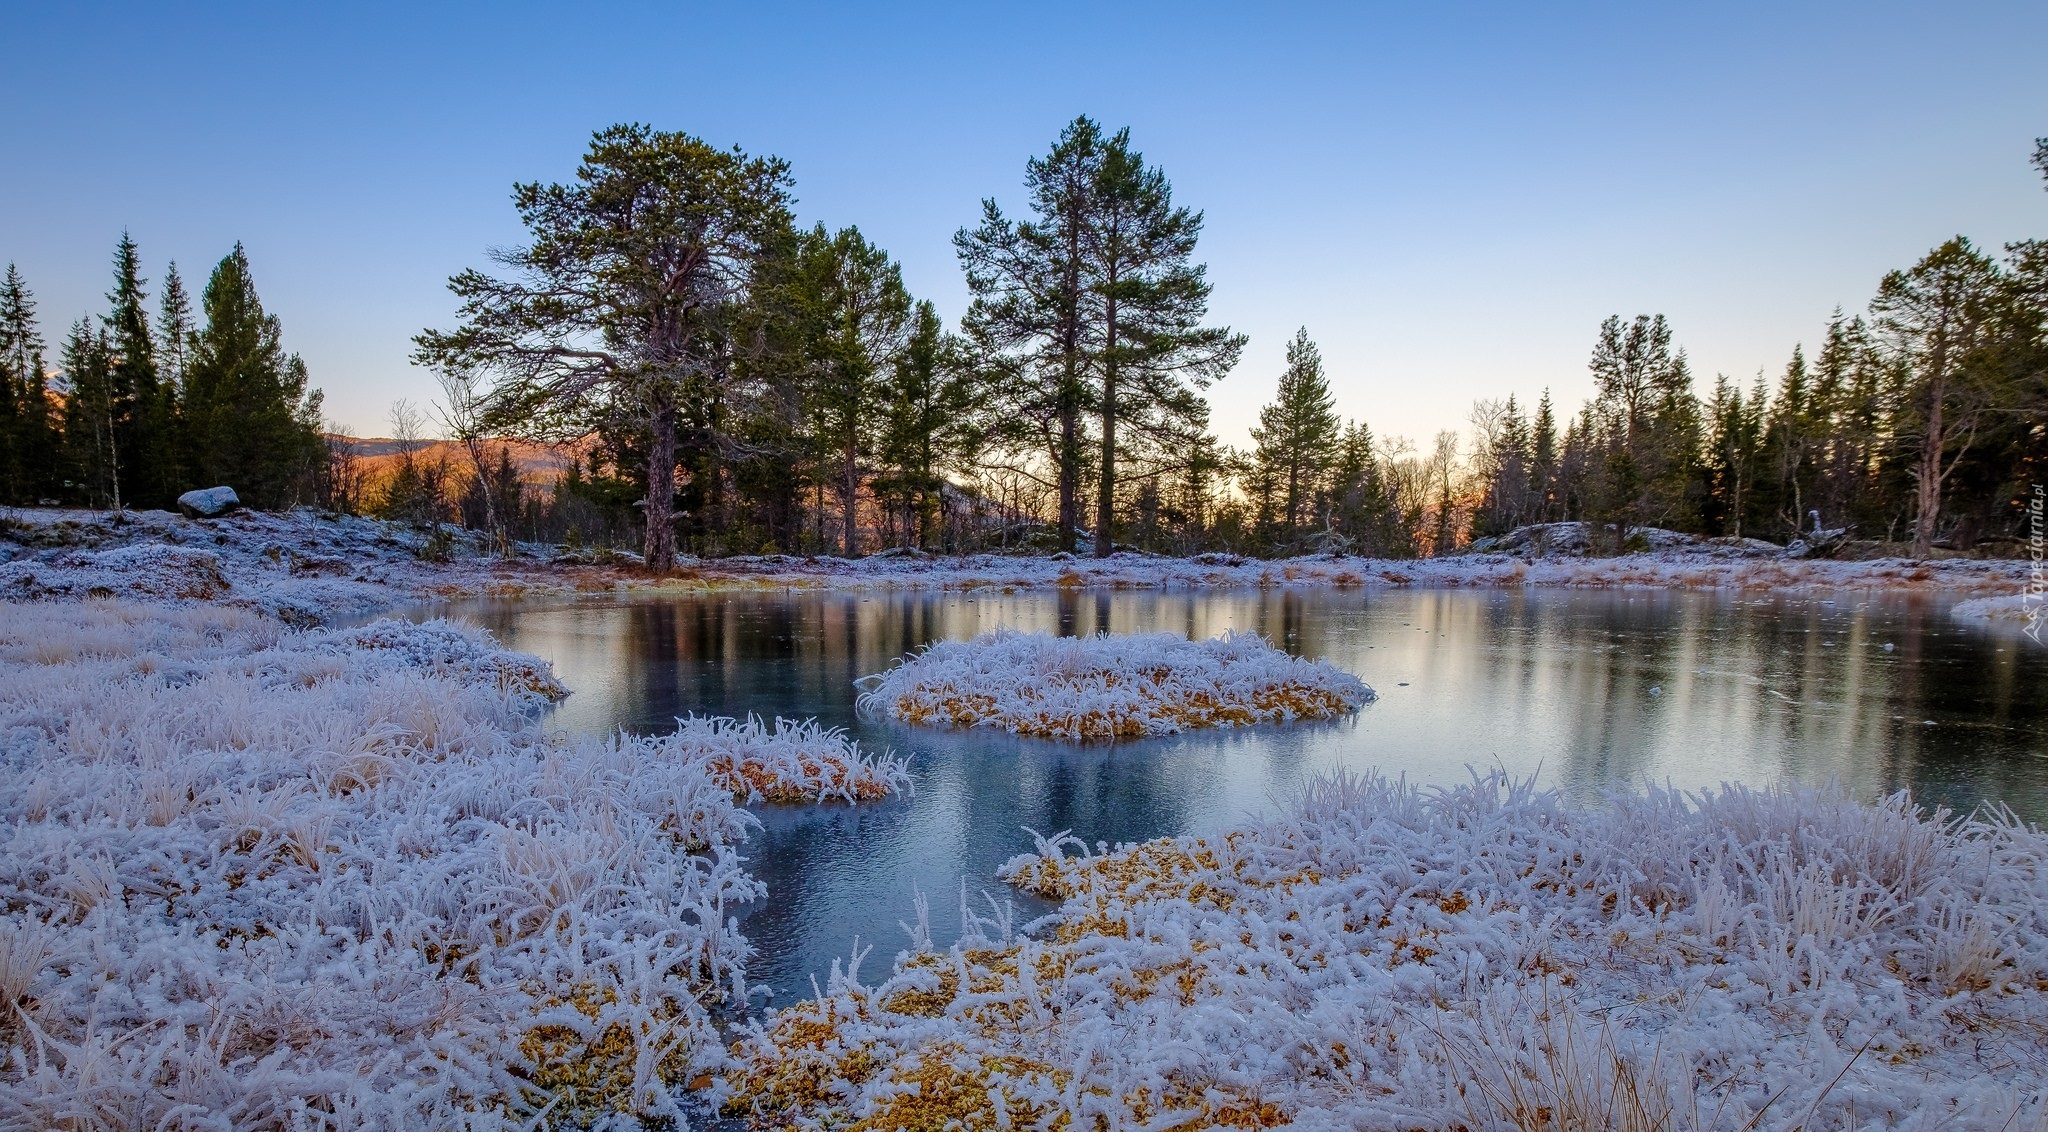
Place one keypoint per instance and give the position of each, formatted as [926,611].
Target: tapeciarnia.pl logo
[2037,576]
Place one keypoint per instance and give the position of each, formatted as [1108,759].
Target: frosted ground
[203,781]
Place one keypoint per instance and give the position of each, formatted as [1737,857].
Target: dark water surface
[1585,689]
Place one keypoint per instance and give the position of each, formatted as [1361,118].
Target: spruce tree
[1543,456]
[28,457]
[1648,423]
[251,422]
[1364,509]
[1733,437]
[1791,436]
[1297,433]
[93,415]
[146,435]
[929,421]
[1505,457]
[173,333]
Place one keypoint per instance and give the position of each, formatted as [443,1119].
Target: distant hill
[538,464]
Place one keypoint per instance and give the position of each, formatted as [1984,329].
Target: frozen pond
[1581,688]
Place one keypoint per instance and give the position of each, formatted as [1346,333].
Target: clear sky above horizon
[1449,197]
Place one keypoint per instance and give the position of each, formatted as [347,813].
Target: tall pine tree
[1154,353]
[1033,311]
[1936,318]
[860,318]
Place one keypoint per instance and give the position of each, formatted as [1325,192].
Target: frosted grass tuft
[1108,687]
[346,878]
[1490,957]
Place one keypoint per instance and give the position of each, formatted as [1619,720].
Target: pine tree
[622,308]
[1936,317]
[1296,434]
[1033,312]
[28,455]
[1543,457]
[94,412]
[859,313]
[1154,354]
[251,422]
[173,333]
[146,438]
[929,421]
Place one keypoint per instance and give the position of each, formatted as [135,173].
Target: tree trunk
[849,495]
[1070,392]
[1105,500]
[1293,498]
[501,541]
[1928,495]
[1070,470]
[659,544]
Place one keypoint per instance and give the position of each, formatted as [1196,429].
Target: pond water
[1582,689]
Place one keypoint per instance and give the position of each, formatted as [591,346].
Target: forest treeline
[146,405]
[669,322]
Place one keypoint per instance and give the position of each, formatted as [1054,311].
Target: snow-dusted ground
[1487,957]
[310,569]
[1108,687]
[258,873]
[298,566]
[1683,568]
[261,876]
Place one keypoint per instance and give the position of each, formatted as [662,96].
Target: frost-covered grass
[253,877]
[1108,687]
[2023,606]
[1682,568]
[1487,957]
[310,569]
[792,761]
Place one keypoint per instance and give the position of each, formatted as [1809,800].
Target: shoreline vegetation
[293,875]
[311,568]
[1486,957]
[256,872]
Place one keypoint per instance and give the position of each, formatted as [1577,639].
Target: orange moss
[825,773]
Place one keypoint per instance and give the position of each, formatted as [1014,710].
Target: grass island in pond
[1109,687]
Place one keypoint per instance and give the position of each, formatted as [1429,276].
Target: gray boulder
[209,502]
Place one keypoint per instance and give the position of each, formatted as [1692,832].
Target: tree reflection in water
[1585,689]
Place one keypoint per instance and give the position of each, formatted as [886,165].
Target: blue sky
[1450,197]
